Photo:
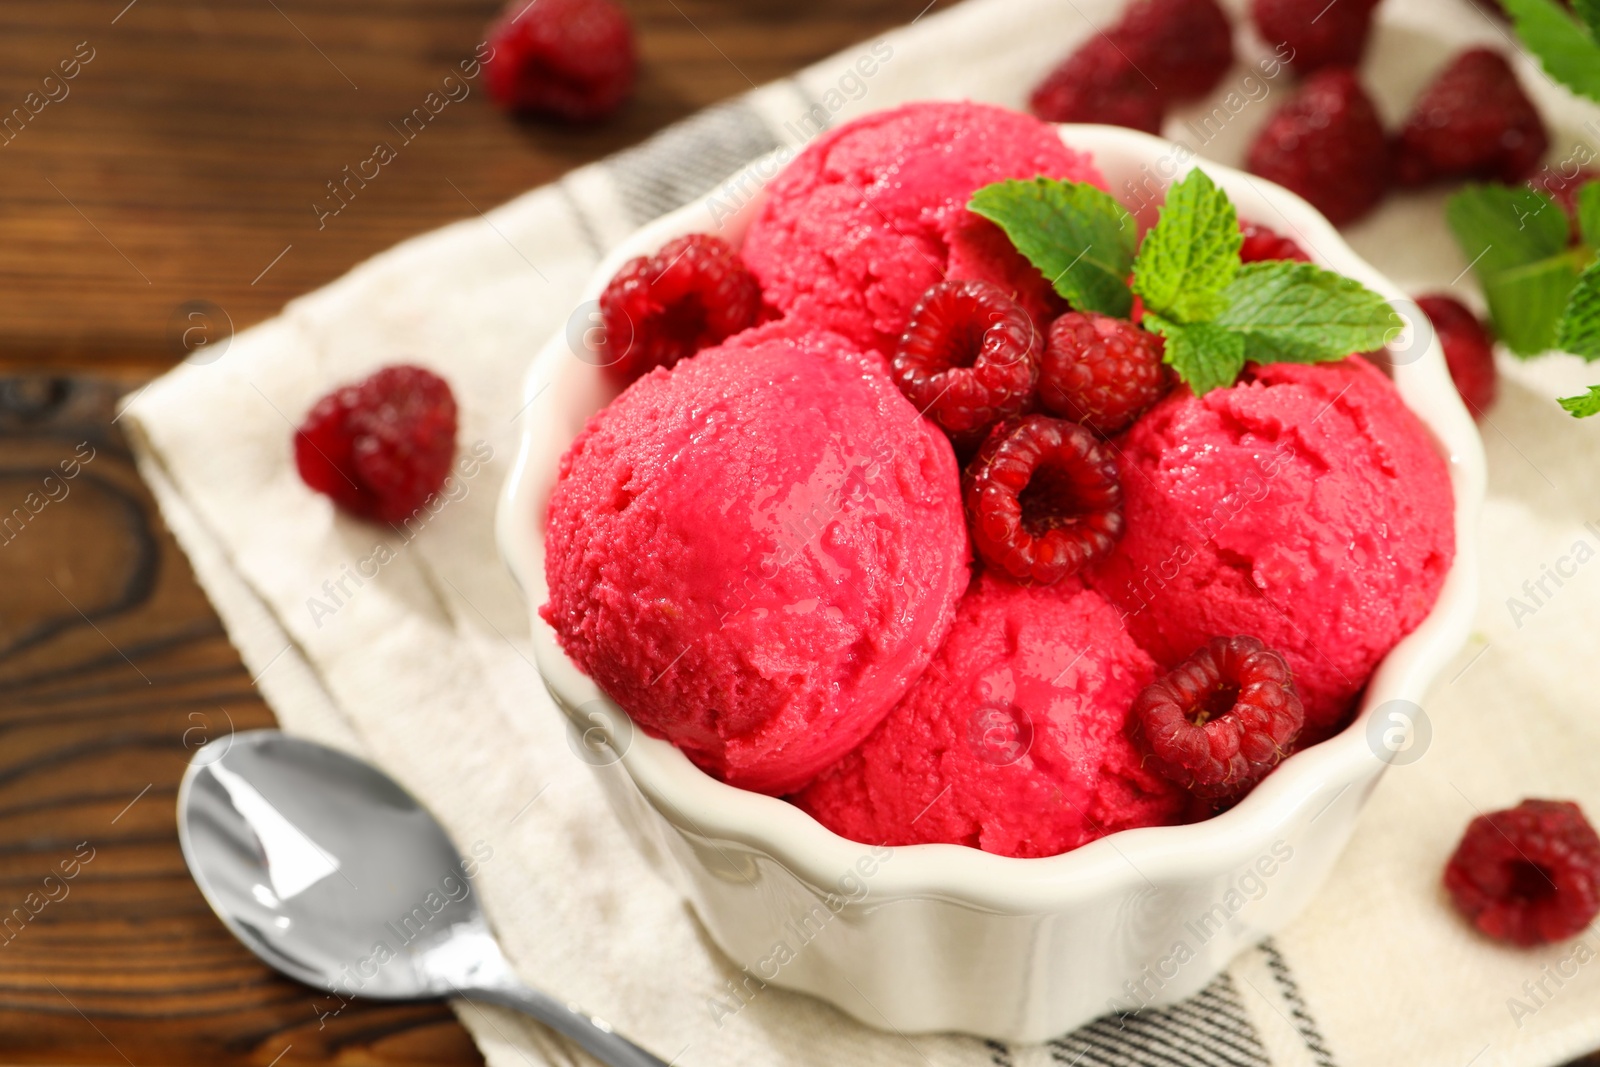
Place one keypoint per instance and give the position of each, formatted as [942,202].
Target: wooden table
[180,164]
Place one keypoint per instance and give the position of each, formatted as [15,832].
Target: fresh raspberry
[1529,874]
[1328,145]
[380,447]
[1101,371]
[1474,121]
[1261,244]
[1468,350]
[1564,188]
[1185,46]
[571,59]
[1099,83]
[1161,51]
[969,358]
[1043,499]
[1321,34]
[1221,719]
[694,293]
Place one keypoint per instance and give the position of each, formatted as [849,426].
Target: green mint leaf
[1579,332]
[1589,209]
[1500,228]
[1589,11]
[1191,254]
[1299,313]
[1527,304]
[1206,356]
[1581,407]
[1078,236]
[1516,241]
[1566,49]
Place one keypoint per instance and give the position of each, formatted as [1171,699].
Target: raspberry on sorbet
[691,295]
[1101,371]
[1043,500]
[1222,719]
[969,358]
[1262,243]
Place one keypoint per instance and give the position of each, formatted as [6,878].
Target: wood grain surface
[185,156]
[113,669]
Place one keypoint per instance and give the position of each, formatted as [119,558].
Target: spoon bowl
[295,847]
[333,874]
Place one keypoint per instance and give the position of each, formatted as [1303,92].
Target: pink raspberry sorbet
[757,552]
[873,214]
[1014,739]
[1305,506]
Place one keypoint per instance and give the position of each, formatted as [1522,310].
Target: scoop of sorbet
[874,213]
[1014,740]
[1305,506]
[757,552]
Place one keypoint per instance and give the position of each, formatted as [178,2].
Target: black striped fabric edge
[1210,1029]
[999,1053]
[1304,1023]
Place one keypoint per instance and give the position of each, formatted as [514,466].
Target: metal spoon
[330,872]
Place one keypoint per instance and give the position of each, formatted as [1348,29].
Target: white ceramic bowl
[947,938]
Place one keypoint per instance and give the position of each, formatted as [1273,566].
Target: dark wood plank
[188,151]
[113,669]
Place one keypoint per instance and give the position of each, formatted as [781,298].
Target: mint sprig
[1206,355]
[1589,210]
[1581,407]
[1215,313]
[1543,293]
[1569,49]
[1077,235]
[1298,313]
[1518,241]
[1503,227]
[1191,255]
[1579,332]
[1589,11]
[1543,290]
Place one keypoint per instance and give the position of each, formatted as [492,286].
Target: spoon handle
[591,1035]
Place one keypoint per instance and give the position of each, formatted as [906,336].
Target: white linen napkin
[412,650]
